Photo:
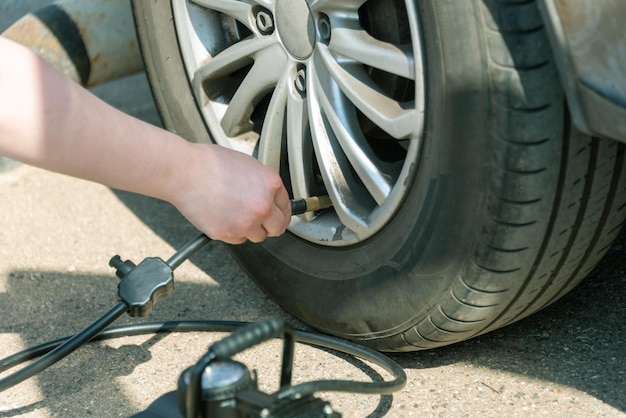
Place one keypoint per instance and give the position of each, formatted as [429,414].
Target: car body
[590,47]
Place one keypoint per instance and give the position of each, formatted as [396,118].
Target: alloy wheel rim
[329,93]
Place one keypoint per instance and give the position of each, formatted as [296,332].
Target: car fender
[589,44]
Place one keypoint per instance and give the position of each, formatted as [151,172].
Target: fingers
[256,225]
[277,222]
[280,216]
[249,206]
[258,235]
[277,219]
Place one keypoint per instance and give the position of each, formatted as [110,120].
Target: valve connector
[122,268]
[145,285]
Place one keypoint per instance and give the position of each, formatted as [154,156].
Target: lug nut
[323,27]
[265,22]
[300,81]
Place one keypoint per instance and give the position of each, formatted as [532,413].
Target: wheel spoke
[270,144]
[320,5]
[268,4]
[344,124]
[231,59]
[398,120]
[262,77]
[233,8]
[341,185]
[361,47]
[300,150]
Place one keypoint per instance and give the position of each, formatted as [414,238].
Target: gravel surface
[58,233]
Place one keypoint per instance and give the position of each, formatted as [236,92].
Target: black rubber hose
[188,250]
[61,350]
[364,353]
[118,332]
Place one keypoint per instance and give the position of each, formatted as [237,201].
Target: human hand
[230,196]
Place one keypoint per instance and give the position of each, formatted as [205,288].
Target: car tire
[507,206]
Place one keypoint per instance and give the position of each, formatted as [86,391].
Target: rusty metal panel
[589,42]
[91,41]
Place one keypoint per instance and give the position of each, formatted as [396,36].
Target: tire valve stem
[310,204]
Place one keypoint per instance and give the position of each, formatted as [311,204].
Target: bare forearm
[49,121]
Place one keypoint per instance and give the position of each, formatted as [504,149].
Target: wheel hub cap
[296,27]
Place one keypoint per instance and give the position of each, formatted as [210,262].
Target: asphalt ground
[58,233]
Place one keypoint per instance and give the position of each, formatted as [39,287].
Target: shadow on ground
[92,372]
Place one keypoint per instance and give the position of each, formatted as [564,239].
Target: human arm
[48,121]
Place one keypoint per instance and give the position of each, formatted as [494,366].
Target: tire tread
[584,192]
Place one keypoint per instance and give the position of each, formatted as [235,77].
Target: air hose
[397,382]
[143,285]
